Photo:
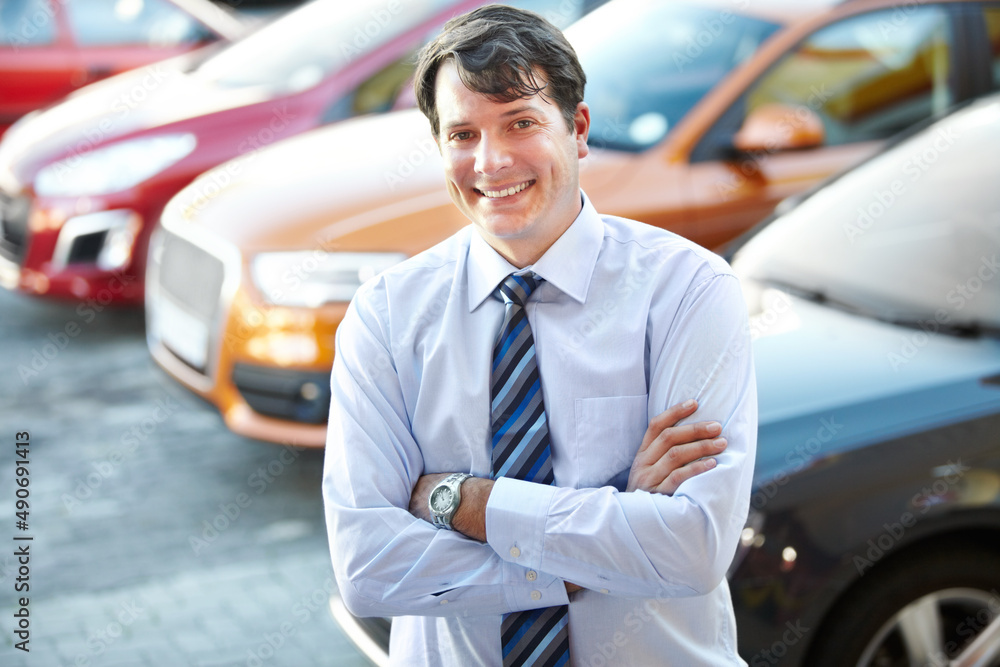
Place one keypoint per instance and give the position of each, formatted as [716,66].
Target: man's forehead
[455,100]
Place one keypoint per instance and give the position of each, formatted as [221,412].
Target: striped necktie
[538,637]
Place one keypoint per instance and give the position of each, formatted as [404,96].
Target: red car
[49,49]
[83,183]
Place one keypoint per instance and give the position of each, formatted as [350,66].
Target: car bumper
[369,635]
[265,368]
[76,250]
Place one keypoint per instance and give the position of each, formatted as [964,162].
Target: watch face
[441,499]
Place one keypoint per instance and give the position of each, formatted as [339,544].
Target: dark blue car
[874,537]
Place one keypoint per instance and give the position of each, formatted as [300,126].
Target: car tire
[923,608]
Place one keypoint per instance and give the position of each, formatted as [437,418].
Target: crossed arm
[669,455]
[651,544]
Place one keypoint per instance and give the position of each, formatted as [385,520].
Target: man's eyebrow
[510,112]
[521,109]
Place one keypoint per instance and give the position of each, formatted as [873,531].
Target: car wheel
[935,607]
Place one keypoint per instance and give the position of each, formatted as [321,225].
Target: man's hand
[671,454]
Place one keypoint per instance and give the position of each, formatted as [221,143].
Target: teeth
[495,194]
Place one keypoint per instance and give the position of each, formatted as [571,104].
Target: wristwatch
[445,498]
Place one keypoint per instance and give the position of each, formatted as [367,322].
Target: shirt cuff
[515,528]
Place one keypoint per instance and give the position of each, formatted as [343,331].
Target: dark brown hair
[498,51]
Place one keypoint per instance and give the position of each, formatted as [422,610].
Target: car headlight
[313,278]
[114,168]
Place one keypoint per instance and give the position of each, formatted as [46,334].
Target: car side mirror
[779,127]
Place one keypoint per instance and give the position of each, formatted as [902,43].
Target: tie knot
[517,287]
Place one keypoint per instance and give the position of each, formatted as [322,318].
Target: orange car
[704,116]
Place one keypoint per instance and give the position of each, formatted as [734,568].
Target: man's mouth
[506,192]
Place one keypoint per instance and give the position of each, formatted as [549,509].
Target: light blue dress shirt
[630,320]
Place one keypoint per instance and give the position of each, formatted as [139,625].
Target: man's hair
[498,51]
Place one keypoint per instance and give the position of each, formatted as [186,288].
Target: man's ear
[581,129]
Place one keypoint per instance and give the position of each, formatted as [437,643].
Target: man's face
[513,168]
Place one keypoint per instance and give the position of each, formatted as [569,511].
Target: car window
[561,13]
[640,87]
[132,22]
[866,77]
[992,17]
[382,90]
[911,234]
[27,23]
[377,93]
[300,49]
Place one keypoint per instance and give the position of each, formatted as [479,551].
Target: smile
[498,194]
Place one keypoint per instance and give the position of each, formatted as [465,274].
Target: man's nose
[492,155]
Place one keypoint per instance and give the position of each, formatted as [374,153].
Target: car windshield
[912,235]
[648,62]
[298,50]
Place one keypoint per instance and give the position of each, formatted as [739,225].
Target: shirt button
[515,552]
[444,602]
[531,575]
[604,590]
[535,595]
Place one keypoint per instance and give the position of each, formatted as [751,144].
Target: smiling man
[511,166]
[492,476]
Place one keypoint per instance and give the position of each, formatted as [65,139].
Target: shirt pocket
[609,431]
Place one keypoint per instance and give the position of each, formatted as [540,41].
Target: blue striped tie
[521,450]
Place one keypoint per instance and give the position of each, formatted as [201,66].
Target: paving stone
[118,495]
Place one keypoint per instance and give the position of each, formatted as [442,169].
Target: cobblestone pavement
[160,538]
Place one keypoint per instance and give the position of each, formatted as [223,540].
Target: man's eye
[523,124]
[461,136]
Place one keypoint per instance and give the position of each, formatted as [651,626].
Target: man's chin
[504,230]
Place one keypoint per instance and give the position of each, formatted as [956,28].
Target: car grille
[300,396]
[86,248]
[13,226]
[192,276]
[187,299]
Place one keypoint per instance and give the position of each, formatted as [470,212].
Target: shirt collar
[568,264]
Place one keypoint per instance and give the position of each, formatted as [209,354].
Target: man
[585,535]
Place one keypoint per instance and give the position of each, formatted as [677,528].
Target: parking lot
[159,537]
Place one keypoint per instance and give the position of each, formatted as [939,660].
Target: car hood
[153,96]
[372,183]
[830,381]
